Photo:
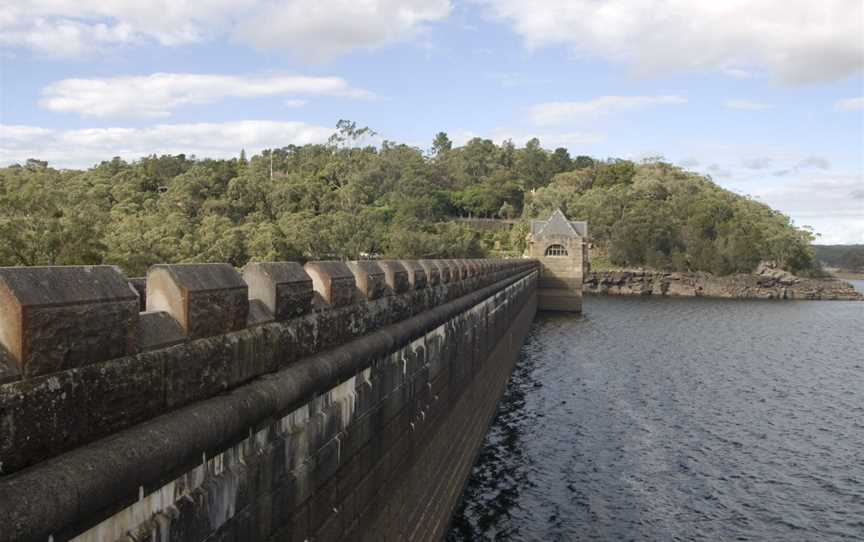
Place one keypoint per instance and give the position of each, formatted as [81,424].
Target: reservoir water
[678,419]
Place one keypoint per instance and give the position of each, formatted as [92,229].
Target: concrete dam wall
[331,401]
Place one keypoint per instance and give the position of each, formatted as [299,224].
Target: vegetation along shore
[347,199]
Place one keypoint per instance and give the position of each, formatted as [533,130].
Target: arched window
[556,250]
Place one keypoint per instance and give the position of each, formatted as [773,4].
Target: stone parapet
[473,267]
[446,268]
[159,330]
[57,318]
[46,414]
[350,422]
[395,275]
[433,272]
[206,299]
[369,279]
[417,277]
[333,282]
[283,287]
[458,270]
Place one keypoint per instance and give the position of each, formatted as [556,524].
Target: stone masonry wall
[349,411]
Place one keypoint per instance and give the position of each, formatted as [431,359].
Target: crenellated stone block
[433,272]
[446,268]
[369,278]
[159,330]
[396,275]
[205,299]
[283,287]
[417,277]
[460,268]
[56,318]
[333,282]
[473,267]
[259,314]
[469,268]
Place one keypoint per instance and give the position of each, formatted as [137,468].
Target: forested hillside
[344,200]
[849,257]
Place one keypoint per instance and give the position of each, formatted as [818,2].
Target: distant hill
[848,257]
[344,200]
[657,215]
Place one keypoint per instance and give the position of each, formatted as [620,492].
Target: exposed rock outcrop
[767,282]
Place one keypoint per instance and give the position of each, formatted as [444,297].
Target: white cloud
[850,104]
[556,112]
[747,105]
[814,162]
[825,202]
[327,28]
[85,147]
[759,162]
[156,95]
[823,191]
[739,73]
[514,80]
[67,28]
[796,41]
[319,30]
[809,163]
[717,170]
[65,38]
[295,103]
[15,135]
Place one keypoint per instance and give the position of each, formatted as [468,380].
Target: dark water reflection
[691,419]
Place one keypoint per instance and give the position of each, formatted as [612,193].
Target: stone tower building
[560,245]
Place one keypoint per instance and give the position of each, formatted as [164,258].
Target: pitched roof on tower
[558,225]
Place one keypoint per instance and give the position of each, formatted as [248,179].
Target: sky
[765,96]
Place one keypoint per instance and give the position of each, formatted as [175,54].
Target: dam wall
[331,401]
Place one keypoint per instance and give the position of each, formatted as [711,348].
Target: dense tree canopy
[346,200]
[657,215]
[850,257]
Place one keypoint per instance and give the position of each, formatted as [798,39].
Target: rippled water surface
[678,419]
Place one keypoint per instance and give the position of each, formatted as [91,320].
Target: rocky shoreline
[768,282]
